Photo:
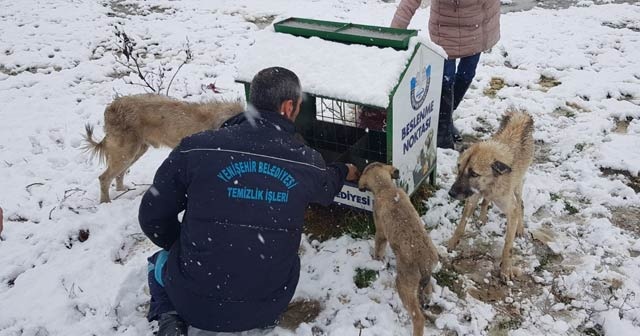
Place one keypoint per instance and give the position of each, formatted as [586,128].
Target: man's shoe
[170,324]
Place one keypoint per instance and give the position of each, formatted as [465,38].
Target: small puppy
[133,123]
[493,170]
[398,222]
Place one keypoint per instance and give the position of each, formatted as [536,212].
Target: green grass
[424,192]
[568,207]
[359,225]
[446,278]
[510,324]
[544,262]
[334,221]
[572,210]
[364,277]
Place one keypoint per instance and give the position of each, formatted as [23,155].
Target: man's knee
[156,267]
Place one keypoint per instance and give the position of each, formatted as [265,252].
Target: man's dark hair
[273,86]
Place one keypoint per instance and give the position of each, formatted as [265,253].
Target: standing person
[464,28]
[232,263]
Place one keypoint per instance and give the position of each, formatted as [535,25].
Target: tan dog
[133,123]
[494,171]
[398,222]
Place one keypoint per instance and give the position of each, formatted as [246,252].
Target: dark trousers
[159,300]
[455,81]
[458,79]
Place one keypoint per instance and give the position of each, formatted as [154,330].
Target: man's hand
[354,173]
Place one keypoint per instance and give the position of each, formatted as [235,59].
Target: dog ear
[500,168]
[395,174]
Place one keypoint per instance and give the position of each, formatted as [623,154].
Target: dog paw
[378,256]
[482,220]
[507,272]
[453,242]
[520,232]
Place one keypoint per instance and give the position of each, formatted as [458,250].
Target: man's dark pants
[159,300]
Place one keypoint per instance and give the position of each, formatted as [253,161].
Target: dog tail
[95,148]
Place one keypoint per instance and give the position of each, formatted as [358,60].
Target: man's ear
[500,168]
[287,108]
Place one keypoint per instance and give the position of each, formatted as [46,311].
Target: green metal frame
[307,116]
[339,31]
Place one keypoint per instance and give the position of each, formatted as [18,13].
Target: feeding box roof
[350,72]
[347,32]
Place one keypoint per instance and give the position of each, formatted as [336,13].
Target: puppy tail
[95,148]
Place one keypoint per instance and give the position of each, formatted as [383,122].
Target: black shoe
[445,121]
[170,324]
[456,134]
[445,141]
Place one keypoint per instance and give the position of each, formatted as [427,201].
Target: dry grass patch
[495,85]
[548,82]
[622,125]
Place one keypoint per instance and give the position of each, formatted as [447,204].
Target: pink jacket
[461,27]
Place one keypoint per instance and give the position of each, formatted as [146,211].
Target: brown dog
[398,222]
[494,171]
[133,123]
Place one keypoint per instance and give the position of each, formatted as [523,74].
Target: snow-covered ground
[69,266]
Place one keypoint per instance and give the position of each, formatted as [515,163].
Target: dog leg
[120,178]
[470,204]
[407,283]
[484,209]
[381,246]
[520,205]
[105,181]
[114,169]
[119,156]
[428,290]
[120,181]
[425,291]
[520,228]
[506,270]
[380,241]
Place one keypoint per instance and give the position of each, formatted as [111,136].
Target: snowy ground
[69,266]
